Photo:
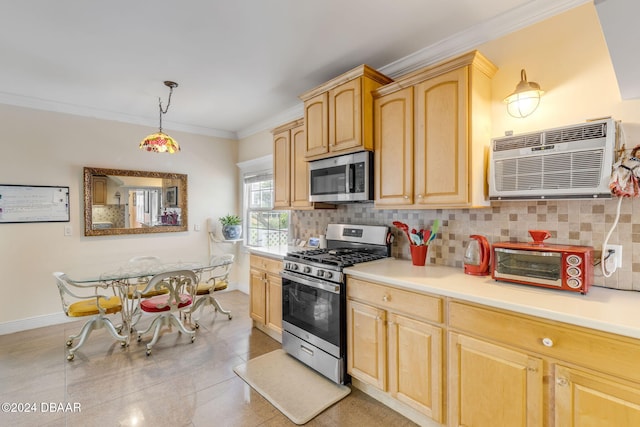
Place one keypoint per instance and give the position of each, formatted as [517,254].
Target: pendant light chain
[171,86]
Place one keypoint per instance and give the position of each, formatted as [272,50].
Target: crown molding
[468,39]
[501,25]
[459,43]
[95,113]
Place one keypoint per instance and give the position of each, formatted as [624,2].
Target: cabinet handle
[405,197]
[386,298]
[419,196]
[547,342]
[562,381]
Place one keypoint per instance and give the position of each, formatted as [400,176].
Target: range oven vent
[562,163]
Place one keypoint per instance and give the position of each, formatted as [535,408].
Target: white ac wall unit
[570,162]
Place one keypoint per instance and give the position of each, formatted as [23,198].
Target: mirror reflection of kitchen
[134,202]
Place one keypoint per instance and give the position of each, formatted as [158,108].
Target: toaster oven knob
[573,271]
[547,342]
[574,282]
[574,260]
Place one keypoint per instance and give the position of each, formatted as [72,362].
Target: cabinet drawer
[600,351]
[411,303]
[270,265]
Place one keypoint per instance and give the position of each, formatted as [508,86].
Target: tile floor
[180,384]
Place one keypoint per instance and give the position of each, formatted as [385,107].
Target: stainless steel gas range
[314,295]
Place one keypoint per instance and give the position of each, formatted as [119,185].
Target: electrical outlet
[614,261]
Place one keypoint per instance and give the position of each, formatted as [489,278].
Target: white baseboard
[53,319]
[33,323]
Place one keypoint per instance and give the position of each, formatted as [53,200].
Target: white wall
[44,148]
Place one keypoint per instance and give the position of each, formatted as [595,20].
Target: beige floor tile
[179,384]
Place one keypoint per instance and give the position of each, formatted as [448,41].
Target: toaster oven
[564,267]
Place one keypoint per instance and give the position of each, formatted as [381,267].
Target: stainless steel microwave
[345,178]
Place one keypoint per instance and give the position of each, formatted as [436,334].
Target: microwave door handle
[350,177]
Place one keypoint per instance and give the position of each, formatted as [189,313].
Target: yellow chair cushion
[205,287]
[140,287]
[88,307]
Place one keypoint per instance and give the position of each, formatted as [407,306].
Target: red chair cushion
[159,303]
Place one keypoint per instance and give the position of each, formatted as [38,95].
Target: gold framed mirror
[118,201]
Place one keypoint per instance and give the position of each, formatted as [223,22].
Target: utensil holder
[419,254]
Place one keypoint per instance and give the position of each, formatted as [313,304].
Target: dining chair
[213,279]
[142,265]
[83,300]
[180,286]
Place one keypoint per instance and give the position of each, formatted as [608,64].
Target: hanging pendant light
[525,99]
[160,142]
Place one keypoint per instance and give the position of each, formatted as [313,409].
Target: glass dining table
[125,277]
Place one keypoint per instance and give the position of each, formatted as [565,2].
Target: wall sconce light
[525,99]
[160,142]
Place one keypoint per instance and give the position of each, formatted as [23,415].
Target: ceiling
[240,64]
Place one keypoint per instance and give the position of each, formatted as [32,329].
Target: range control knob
[320,273]
[294,266]
[328,275]
[306,269]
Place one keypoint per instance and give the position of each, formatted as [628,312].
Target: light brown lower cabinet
[507,369]
[265,295]
[392,344]
[442,361]
[493,386]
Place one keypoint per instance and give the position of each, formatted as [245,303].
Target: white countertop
[603,309]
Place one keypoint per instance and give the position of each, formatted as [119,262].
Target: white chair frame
[218,270]
[176,282]
[98,321]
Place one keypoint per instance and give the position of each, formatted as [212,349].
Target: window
[264,226]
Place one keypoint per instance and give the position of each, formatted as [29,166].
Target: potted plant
[231,226]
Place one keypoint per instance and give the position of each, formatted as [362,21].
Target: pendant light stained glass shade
[160,143]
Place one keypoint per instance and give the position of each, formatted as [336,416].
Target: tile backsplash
[574,222]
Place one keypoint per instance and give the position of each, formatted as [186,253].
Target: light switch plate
[68,231]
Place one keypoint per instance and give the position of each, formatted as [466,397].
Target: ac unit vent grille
[576,133]
[517,142]
[550,137]
[581,169]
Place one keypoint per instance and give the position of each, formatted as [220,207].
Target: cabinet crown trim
[360,71]
[474,58]
[289,125]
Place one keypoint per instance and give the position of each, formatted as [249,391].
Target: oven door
[311,310]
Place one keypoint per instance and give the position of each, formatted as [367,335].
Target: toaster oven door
[535,267]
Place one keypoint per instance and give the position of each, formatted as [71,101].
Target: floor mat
[296,390]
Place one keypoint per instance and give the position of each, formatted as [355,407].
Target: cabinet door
[367,344]
[493,386]
[441,144]
[299,169]
[585,399]
[281,169]
[316,125]
[345,116]
[257,296]
[274,302]
[415,364]
[393,139]
[99,193]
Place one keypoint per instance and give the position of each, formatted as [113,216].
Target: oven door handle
[325,286]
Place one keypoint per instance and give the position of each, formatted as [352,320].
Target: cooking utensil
[434,230]
[404,227]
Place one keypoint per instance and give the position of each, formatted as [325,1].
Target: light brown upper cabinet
[432,130]
[338,115]
[291,169]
